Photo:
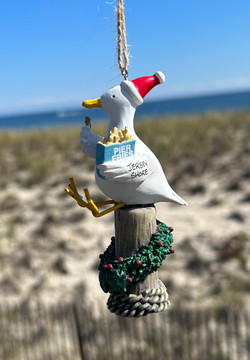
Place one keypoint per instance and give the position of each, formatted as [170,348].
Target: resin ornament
[131,176]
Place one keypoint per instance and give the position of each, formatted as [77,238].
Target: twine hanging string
[123,58]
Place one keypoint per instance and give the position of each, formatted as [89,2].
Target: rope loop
[123,57]
[148,302]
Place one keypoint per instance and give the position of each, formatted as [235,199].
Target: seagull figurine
[128,172]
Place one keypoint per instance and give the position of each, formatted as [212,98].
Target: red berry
[110,266]
[160,243]
[105,267]
[157,265]
[172,250]
[171,228]
[138,262]
[129,279]
[120,259]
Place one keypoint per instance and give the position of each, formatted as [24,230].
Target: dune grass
[189,136]
[39,154]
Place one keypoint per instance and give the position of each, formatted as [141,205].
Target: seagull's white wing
[127,170]
[88,141]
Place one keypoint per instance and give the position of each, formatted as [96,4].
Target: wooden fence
[72,333]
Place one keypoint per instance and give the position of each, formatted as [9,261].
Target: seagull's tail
[175,198]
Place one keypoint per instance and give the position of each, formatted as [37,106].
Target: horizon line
[56,108]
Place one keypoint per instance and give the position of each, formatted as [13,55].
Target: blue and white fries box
[114,152]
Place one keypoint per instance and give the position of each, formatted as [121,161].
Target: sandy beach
[50,247]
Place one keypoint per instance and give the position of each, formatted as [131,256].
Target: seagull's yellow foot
[72,191]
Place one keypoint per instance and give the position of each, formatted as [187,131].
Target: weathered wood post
[134,227]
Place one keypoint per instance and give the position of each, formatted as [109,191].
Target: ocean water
[181,106]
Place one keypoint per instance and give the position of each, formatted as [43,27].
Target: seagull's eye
[113,96]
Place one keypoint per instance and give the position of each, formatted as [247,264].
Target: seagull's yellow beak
[95,103]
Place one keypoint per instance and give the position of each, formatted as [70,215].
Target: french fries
[116,137]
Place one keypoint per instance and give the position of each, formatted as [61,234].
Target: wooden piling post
[134,227]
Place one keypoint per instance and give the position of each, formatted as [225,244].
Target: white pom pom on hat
[160,76]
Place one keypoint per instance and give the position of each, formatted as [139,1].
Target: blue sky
[55,54]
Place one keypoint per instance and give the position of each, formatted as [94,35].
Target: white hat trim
[132,92]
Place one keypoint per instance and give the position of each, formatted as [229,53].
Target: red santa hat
[137,89]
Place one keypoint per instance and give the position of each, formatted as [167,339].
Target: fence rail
[70,332]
